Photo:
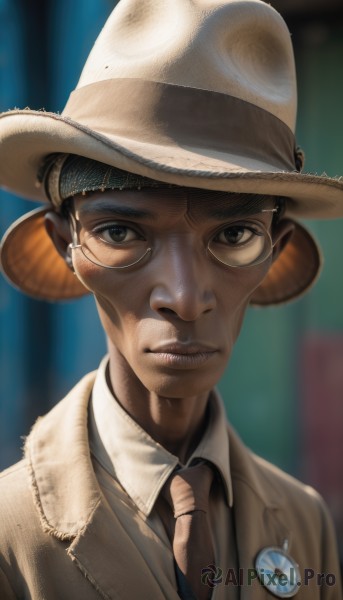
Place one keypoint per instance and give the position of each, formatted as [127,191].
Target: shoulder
[291,492]
[18,500]
[306,515]
[275,487]
[26,542]
[15,479]
[17,508]
[274,498]
[19,527]
[280,480]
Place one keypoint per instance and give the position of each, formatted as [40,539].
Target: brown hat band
[164,114]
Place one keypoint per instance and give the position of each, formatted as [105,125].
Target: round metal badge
[278,572]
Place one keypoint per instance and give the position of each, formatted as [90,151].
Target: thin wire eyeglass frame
[73,246]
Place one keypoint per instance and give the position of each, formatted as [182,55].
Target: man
[172,180]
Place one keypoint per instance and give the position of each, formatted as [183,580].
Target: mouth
[184,348]
[182,354]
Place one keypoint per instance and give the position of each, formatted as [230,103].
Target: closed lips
[177,348]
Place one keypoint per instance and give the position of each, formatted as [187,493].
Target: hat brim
[31,262]
[28,136]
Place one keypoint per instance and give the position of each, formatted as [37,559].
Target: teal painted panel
[320,130]
[259,386]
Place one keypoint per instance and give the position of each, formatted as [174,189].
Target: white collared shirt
[131,468]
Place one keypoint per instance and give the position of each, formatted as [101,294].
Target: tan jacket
[60,540]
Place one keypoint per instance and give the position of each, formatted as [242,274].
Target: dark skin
[171,321]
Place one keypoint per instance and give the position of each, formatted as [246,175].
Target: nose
[182,285]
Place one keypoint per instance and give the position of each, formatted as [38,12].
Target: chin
[180,385]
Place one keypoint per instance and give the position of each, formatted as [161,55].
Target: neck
[176,423]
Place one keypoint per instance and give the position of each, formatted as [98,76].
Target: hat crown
[240,48]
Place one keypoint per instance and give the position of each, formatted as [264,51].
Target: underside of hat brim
[28,136]
[32,264]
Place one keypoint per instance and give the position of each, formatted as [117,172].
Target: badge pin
[278,571]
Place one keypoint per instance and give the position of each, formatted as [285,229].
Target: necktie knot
[188,489]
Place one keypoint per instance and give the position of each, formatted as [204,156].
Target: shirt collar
[138,462]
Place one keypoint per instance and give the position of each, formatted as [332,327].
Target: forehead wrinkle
[142,204]
[225,212]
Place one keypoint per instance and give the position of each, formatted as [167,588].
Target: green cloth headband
[65,175]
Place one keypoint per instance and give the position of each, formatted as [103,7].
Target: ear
[58,229]
[281,234]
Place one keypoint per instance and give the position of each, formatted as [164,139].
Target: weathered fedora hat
[195,93]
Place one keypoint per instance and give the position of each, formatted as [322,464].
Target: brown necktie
[187,492]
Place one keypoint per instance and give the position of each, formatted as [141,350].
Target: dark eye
[236,234]
[117,233]
[241,244]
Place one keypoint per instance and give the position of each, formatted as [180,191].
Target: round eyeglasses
[241,243]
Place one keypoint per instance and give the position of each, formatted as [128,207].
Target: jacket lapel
[109,559]
[72,507]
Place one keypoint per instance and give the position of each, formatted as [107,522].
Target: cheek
[118,305]
[237,288]
[87,273]
[108,286]
[254,276]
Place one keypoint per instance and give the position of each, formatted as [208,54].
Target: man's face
[173,317]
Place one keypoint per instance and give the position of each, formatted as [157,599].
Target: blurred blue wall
[44,348]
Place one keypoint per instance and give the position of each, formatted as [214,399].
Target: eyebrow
[225,205]
[114,209]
